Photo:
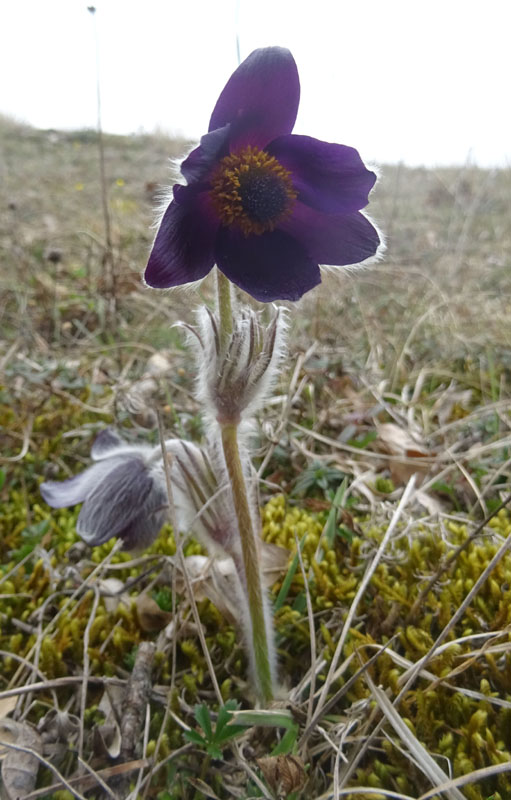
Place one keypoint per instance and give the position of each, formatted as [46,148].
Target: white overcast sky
[423,81]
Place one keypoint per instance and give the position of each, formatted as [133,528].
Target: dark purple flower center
[263,195]
[252,190]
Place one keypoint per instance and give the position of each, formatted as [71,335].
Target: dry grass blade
[24,447]
[97,779]
[444,680]
[464,780]
[452,558]
[90,781]
[86,669]
[332,701]
[135,793]
[360,592]
[476,451]
[365,790]
[312,632]
[421,757]
[58,683]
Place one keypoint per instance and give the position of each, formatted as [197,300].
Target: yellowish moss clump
[455,716]
[47,605]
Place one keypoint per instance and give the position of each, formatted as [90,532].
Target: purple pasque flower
[267,206]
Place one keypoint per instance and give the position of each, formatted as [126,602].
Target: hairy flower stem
[249,544]
[224,308]
[251,562]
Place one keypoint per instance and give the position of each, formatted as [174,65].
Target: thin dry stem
[360,592]
[182,561]
[86,669]
[312,633]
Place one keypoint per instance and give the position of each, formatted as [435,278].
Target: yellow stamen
[252,191]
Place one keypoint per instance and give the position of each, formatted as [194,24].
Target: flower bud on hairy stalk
[235,377]
[238,360]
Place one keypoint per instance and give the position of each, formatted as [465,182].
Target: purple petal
[115,502]
[106,441]
[183,250]
[273,266]
[142,530]
[60,494]
[329,177]
[336,239]
[260,98]
[213,146]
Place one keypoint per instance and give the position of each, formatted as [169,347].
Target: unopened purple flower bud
[233,381]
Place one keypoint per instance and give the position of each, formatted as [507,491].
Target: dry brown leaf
[283,774]
[445,404]
[107,736]
[151,617]
[274,560]
[433,505]
[19,769]
[8,734]
[215,578]
[58,726]
[398,442]
[113,596]
[7,704]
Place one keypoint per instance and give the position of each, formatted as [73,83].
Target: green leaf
[214,751]
[227,733]
[195,737]
[288,580]
[224,716]
[36,531]
[362,442]
[203,718]
[264,718]
[330,529]
[288,742]
[300,603]
[317,475]
[2,479]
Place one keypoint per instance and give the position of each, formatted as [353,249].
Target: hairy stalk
[224,309]
[251,561]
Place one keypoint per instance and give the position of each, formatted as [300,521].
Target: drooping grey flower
[123,493]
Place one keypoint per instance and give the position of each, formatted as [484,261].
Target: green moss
[471,732]
[452,714]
